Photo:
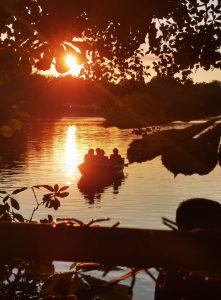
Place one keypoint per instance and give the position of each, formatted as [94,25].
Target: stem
[206,14]
[34,210]
[33,190]
[38,204]
[150,274]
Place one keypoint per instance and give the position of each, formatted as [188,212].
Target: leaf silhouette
[7,207]
[63,188]
[48,187]
[56,188]
[3,192]
[19,217]
[50,218]
[62,195]
[37,186]
[19,190]
[15,204]
[55,204]
[6,198]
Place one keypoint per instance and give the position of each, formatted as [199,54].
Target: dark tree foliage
[106,35]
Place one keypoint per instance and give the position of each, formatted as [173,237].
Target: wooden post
[140,248]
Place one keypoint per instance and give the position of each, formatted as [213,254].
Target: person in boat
[115,158]
[89,157]
[104,158]
[193,214]
[100,158]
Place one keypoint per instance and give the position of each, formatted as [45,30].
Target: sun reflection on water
[71,152]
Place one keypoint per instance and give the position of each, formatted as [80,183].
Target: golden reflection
[71,153]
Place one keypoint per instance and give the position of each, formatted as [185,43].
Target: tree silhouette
[107,35]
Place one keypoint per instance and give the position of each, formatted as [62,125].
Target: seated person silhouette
[100,158]
[103,157]
[192,214]
[115,158]
[89,157]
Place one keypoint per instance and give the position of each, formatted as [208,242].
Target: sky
[198,76]
[206,76]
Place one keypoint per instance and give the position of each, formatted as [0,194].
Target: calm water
[49,153]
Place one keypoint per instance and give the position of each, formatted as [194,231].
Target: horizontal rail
[140,248]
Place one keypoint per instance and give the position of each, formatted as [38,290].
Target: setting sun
[72,64]
[71,61]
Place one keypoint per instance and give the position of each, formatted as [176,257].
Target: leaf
[15,204]
[6,198]
[62,195]
[19,190]
[55,204]
[50,218]
[56,188]
[63,188]
[38,186]
[47,197]
[48,187]
[44,221]
[19,217]
[7,207]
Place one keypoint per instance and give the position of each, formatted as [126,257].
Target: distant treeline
[162,100]
[126,104]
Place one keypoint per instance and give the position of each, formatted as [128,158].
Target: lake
[49,152]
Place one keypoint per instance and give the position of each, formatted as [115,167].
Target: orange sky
[199,76]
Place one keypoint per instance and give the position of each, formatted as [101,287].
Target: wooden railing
[140,248]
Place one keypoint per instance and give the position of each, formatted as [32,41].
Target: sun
[72,64]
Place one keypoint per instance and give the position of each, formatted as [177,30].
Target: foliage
[13,119]
[194,149]
[107,36]
[162,100]
[23,279]
[188,38]
[50,200]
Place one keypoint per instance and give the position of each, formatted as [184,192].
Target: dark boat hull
[91,170]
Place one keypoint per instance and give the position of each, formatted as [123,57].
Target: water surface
[50,151]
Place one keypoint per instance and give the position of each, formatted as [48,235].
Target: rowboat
[101,171]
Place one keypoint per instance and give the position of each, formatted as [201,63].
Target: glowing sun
[72,64]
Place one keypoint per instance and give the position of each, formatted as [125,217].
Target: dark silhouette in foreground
[191,215]
[192,150]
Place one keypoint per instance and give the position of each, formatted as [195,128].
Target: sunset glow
[75,69]
[71,154]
